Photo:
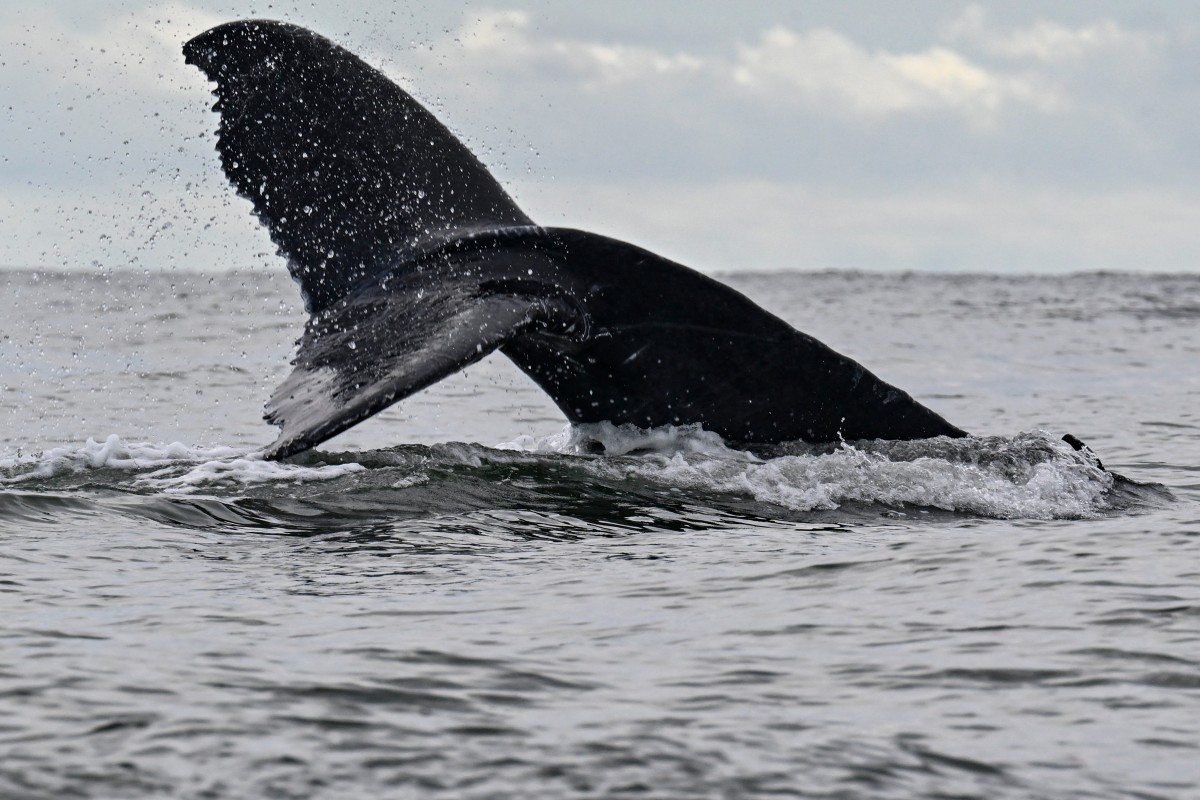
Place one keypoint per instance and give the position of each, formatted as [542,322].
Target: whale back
[344,168]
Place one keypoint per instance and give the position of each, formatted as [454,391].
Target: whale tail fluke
[421,321]
[414,263]
[344,168]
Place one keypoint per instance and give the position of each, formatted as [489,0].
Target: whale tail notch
[344,168]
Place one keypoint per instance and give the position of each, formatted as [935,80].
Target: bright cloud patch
[825,68]
[137,51]
[819,67]
[507,36]
[1050,42]
[780,144]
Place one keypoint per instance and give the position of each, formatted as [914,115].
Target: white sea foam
[1065,487]
[619,440]
[174,466]
[1033,475]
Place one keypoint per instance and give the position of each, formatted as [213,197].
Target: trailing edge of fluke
[414,262]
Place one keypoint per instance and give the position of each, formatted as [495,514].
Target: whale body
[414,263]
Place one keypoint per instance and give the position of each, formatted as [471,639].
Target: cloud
[107,150]
[135,52]
[1050,42]
[779,146]
[507,38]
[826,69]
[819,67]
[89,105]
[989,224]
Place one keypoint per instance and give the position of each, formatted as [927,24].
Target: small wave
[165,467]
[605,438]
[1033,475]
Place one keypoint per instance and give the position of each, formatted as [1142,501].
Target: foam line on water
[1033,475]
[170,467]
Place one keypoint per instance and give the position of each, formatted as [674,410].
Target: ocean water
[461,598]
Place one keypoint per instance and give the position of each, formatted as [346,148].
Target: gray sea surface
[460,598]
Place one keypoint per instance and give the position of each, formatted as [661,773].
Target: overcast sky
[959,136]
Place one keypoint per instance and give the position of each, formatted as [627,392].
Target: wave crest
[1033,475]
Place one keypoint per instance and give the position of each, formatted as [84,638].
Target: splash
[1032,476]
[618,440]
[167,467]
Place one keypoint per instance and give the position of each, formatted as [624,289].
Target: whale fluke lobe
[408,328]
[415,262]
[344,168]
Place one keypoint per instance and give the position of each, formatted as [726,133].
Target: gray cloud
[991,136]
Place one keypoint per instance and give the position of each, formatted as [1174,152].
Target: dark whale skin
[415,262]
